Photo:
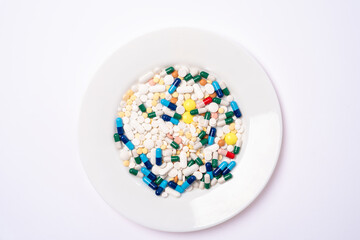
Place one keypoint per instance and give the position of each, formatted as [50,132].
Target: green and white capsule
[237,146]
[224,89]
[136,172]
[136,157]
[200,144]
[117,140]
[198,111]
[226,121]
[225,178]
[221,102]
[208,76]
[226,115]
[207,181]
[172,143]
[168,70]
[196,159]
[201,184]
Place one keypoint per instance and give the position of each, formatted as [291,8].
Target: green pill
[207,116]
[204,74]
[236,150]
[190,163]
[116,137]
[204,141]
[214,163]
[188,77]
[138,160]
[158,180]
[174,145]
[229,114]
[227,176]
[175,158]
[202,134]
[194,112]
[229,120]
[169,70]
[152,115]
[199,161]
[177,116]
[133,171]
[197,78]
[142,107]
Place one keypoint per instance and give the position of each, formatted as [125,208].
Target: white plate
[198,209]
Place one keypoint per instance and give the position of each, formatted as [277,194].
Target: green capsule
[229,120]
[226,91]
[190,163]
[138,160]
[199,161]
[204,74]
[202,134]
[214,163]
[236,150]
[218,176]
[175,158]
[207,185]
[216,100]
[194,112]
[116,137]
[169,70]
[204,141]
[142,107]
[133,171]
[229,114]
[207,116]
[188,77]
[158,180]
[227,176]
[177,116]
[152,115]
[174,145]
[197,78]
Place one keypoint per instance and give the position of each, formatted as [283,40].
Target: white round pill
[168,79]
[229,98]
[140,119]
[209,88]
[213,107]
[202,169]
[136,142]
[226,129]
[212,122]
[198,175]
[124,155]
[230,148]
[208,156]
[180,110]
[126,120]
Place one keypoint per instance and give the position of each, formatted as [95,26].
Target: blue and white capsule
[127,142]
[161,187]
[188,182]
[236,109]
[176,187]
[150,183]
[167,118]
[217,88]
[174,85]
[231,165]
[146,161]
[158,156]
[148,173]
[120,126]
[209,169]
[211,137]
[220,168]
[168,104]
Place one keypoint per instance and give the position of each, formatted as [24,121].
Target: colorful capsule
[226,121]
[220,168]
[224,89]
[204,102]
[229,167]
[146,161]
[236,109]
[127,142]
[174,85]
[207,181]
[148,174]
[204,74]
[135,172]
[169,70]
[217,89]
[161,188]
[237,146]
[188,77]
[211,137]
[172,143]
[142,107]
[120,126]
[117,140]
[188,182]
[209,169]
[225,178]
[167,118]
[197,78]
[172,114]
[168,104]
[152,115]
[200,144]
[229,114]
[220,101]
[158,155]
[137,159]
[176,187]
[198,111]
[190,163]
[226,153]
[214,163]
[158,180]
[201,134]
[196,159]
[175,159]
[151,184]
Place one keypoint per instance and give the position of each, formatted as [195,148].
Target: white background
[49,51]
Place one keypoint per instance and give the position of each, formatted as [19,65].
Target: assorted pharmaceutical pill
[179,129]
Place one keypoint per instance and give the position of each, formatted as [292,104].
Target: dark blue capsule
[231,165]
[220,168]
[176,187]
[151,184]
[161,187]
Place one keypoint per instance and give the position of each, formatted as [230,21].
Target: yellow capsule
[230,138]
[221,110]
[126,163]
[187,117]
[144,115]
[156,79]
[128,108]
[175,94]
[179,182]
[127,113]
[145,151]
[139,151]
[161,81]
[187,96]
[181,132]
[162,95]
[154,103]
[163,147]
[149,110]
[121,114]
[189,104]
[232,126]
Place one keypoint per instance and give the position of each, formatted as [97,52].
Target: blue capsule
[151,184]
[176,187]
[120,126]
[217,88]
[211,137]
[127,142]
[161,187]
[146,161]
[188,182]
[158,156]
[231,165]
[174,85]
[236,109]
[168,104]
[209,169]
[167,118]
[220,168]
[148,174]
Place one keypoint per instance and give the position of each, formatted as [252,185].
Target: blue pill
[148,174]
[151,184]
[231,165]
[220,168]
[188,182]
[217,88]
[127,142]
[120,126]
[168,104]
[161,187]
[174,85]
[211,137]
[158,156]
[236,109]
[146,161]
[176,187]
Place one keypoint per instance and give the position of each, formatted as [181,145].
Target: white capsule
[166,169]
[221,180]
[201,185]
[185,89]
[221,123]
[214,182]
[157,88]
[199,94]
[207,178]
[118,145]
[172,192]
[190,82]
[146,77]
[167,152]
[155,169]
[215,155]
[190,170]
[198,145]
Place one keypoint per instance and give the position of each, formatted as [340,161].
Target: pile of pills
[179,129]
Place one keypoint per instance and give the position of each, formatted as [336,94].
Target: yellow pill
[121,114]
[193,139]
[127,113]
[156,96]
[178,152]
[181,132]
[220,157]
[154,103]
[206,95]
[163,147]
[188,154]
[156,80]
[232,126]
[139,151]
[145,151]
[133,97]
[204,128]
[130,92]
[167,87]
[129,102]
[209,81]
[180,183]
[162,95]
[126,97]
[149,110]
[128,108]
[221,110]
[171,179]
[187,117]
[187,96]
[161,81]
[126,163]
[198,130]
[189,105]
[188,135]
[191,147]
[137,135]
[230,138]
[175,94]
[144,115]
